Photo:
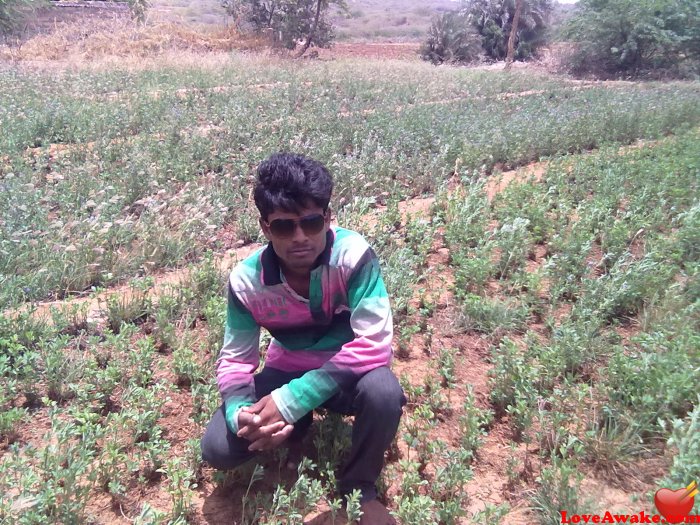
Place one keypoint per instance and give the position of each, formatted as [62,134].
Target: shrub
[685,438]
[451,39]
[493,20]
[632,37]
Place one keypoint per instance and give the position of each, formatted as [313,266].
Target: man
[318,290]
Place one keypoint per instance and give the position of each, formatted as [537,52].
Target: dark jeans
[376,401]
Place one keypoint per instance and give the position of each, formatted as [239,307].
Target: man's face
[297,249]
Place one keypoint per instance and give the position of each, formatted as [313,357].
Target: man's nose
[299,234]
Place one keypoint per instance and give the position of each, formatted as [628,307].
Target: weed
[685,441]
[489,316]
[132,306]
[332,440]
[446,367]
[492,514]
[180,488]
[473,423]
[514,383]
[559,487]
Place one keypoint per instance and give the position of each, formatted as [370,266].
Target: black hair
[291,182]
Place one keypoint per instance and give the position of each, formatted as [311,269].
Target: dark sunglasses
[309,224]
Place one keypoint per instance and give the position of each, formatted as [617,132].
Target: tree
[514,33]
[13,13]
[451,39]
[493,20]
[138,10]
[288,22]
[635,37]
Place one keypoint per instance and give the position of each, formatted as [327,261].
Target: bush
[634,38]
[13,13]
[482,27]
[451,39]
[285,22]
[493,20]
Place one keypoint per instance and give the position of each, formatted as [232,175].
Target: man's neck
[300,282]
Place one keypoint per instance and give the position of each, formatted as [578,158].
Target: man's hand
[263,425]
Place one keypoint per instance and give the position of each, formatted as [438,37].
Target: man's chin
[298,265]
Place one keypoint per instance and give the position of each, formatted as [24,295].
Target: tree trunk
[513,33]
[311,34]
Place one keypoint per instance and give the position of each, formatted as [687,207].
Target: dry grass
[90,40]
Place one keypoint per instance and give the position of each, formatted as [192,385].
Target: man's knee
[380,391]
[218,452]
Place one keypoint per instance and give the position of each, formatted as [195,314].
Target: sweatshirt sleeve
[371,323]
[238,359]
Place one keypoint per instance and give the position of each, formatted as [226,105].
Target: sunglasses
[309,224]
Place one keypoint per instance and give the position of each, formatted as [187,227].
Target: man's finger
[264,432]
[260,444]
[273,428]
[258,406]
[284,432]
[272,442]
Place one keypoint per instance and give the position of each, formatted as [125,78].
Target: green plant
[138,9]
[451,40]
[493,20]
[514,379]
[132,306]
[9,418]
[633,38]
[63,368]
[512,242]
[446,367]
[449,489]
[141,362]
[558,488]
[332,440]
[685,441]
[473,424]
[405,339]
[492,514]
[488,316]
[180,487]
[187,370]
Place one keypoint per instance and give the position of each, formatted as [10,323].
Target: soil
[385,50]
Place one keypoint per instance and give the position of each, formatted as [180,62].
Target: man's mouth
[300,251]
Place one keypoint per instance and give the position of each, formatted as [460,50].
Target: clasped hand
[263,425]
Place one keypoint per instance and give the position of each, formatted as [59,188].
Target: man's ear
[264,228]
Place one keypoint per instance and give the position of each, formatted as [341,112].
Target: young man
[318,290]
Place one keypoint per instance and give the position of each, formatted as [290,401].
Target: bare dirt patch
[384,50]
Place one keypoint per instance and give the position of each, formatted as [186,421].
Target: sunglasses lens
[282,227]
[312,224]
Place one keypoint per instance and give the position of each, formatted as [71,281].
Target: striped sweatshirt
[341,332]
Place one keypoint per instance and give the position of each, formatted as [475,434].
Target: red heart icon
[673,505]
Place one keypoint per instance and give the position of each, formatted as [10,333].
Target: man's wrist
[278,397]
[231,412]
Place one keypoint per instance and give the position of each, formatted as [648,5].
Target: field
[539,237]
[402,20]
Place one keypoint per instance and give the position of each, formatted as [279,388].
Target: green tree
[290,23]
[138,9]
[493,20]
[451,39]
[13,14]
[634,37]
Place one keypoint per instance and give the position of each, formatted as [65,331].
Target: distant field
[365,19]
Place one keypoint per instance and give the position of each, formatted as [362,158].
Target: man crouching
[318,290]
